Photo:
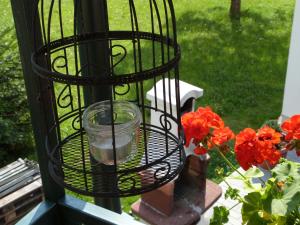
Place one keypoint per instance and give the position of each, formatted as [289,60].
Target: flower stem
[269,168]
[240,199]
[234,206]
[235,169]
[231,165]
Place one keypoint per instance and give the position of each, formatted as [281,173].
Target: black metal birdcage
[107,68]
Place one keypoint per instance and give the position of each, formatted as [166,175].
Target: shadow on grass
[241,69]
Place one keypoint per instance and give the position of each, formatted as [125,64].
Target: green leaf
[264,215]
[232,193]
[251,187]
[252,172]
[251,207]
[219,171]
[220,216]
[294,217]
[279,221]
[279,207]
[256,219]
[290,200]
[287,169]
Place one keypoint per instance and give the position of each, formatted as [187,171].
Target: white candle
[102,150]
[127,119]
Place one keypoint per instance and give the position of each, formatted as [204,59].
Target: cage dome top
[142,29]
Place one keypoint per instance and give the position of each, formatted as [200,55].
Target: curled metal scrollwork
[55,63]
[65,98]
[126,182]
[164,122]
[122,53]
[162,170]
[122,89]
[76,124]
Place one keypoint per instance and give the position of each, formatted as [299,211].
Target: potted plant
[275,201]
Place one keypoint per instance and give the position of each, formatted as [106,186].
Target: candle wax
[102,149]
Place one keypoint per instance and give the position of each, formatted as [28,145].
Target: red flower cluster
[292,129]
[206,129]
[220,136]
[253,148]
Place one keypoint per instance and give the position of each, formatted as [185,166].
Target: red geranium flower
[194,127]
[213,120]
[205,129]
[268,134]
[197,124]
[253,149]
[245,148]
[292,128]
[220,137]
[200,150]
[267,152]
[186,121]
[199,128]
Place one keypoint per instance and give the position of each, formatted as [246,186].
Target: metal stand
[93,18]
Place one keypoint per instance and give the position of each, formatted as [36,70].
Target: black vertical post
[38,91]
[95,58]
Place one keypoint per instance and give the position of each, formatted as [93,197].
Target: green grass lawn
[240,66]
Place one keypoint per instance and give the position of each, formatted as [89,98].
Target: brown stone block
[188,206]
[162,199]
[182,215]
[194,172]
[196,165]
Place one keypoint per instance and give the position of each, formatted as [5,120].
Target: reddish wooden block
[191,186]
[194,172]
[162,199]
[187,208]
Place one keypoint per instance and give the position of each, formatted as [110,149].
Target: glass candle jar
[97,122]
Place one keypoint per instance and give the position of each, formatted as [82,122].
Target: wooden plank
[14,171]
[19,180]
[21,214]
[20,202]
[10,174]
[11,166]
[14,208]
[15,214]
[19,193]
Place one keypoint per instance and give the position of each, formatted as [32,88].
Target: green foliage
[286,170]
[252,209]
[252,172]
[220,216]
[219,171]
[15,135]
[232,193]
[288,173]
[294,217]
[277,202]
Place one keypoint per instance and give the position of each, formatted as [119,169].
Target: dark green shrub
[15,126]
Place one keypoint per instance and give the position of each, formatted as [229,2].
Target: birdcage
[101,142]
